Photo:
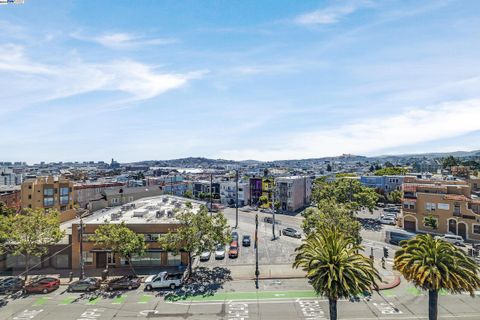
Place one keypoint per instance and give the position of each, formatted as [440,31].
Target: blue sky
[138,80]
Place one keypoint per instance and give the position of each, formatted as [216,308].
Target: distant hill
[457,154]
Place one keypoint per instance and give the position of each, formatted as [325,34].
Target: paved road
[285,299]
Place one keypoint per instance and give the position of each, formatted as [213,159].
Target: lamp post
[274,236]
[211,194]
[82,269]
[257,272]
[236,199]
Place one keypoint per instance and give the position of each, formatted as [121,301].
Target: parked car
[456,240]
[387,220]
[290,232]
[390,215]
[267,210]
[233,251]
[87,284]
[246,240]
[164,280]
[234,236]
[220,252]
[126,282]
[205,256]
[381,205]
[245,209]
[42,285]
[11,285]
[270,220]
[391,209]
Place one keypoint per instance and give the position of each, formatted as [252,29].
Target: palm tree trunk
[432,304]
[332,304]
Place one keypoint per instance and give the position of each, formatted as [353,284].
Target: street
[276,299]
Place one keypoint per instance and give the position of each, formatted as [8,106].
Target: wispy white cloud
[370,136]
[123,40]
[36,81]
[331,14]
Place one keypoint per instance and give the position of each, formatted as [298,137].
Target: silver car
[220,252]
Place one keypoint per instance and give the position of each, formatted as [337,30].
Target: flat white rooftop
[154,210]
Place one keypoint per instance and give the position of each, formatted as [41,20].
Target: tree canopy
[121,240]
[197,232]
[30,233]
[347,191]
[391,171]
[334,266]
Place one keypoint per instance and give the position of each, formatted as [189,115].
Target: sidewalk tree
[433,265]
[262,200]
[121,240]
[391,171]
[329,214]
[31,233]
[347,191]
[188,194]
[334,266]
[197,232]
[395,196]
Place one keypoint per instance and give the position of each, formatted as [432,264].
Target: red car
[233,251]
[42,285]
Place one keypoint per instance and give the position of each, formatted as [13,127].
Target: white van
[457,240]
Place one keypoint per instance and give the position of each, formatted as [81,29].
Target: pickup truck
[164,280]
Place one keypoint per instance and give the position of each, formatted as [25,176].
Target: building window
[456,208]
[87,258]
[29,196]
[64,191]
[151,237]
[430,206]
[48,201]
[48,192]
[173,259]
[476,228]
[64,200]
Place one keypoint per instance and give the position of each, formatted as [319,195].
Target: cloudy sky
[278,79]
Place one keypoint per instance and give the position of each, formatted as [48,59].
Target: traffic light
[385,252]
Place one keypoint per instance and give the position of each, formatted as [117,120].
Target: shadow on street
[203,282]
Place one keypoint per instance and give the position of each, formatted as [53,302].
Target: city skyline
[263,81]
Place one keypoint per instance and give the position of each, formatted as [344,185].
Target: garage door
[409,225]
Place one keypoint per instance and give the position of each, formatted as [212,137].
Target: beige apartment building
[440,207]
[49,192]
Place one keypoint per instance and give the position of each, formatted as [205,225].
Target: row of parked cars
[46,284]
[389,215]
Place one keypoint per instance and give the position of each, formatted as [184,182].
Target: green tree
[197,232]
[188,194]
[6,211]
[395,196]
[31,233]
[328,215]
[391,171]
[347,191]
[121,240]
[433,265]
[449,162]
[345,175]
[263,200]
[334,266]
[431,222]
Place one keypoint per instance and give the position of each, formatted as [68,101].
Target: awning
[101,250]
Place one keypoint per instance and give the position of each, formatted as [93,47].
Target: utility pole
[236,199]
[273,208]
[257,272]
[82,269]
[211,194]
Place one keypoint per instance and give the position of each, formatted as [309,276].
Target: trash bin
[104,274]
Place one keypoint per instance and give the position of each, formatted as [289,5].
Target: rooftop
[152,210]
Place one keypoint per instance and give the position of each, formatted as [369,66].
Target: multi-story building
[384,183]
[255,190]
[203,187]
[440,206]
[268,186]
[228,193]
[10,196]
[293,193]
[87,192]
[149,216]
[9,178]
[50,192]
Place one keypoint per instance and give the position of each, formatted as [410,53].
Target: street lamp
[82,264]
[211,195]
[257,272]
[236,199]
[273,210]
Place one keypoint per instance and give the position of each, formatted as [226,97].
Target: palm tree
[433,264]
[334,267]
